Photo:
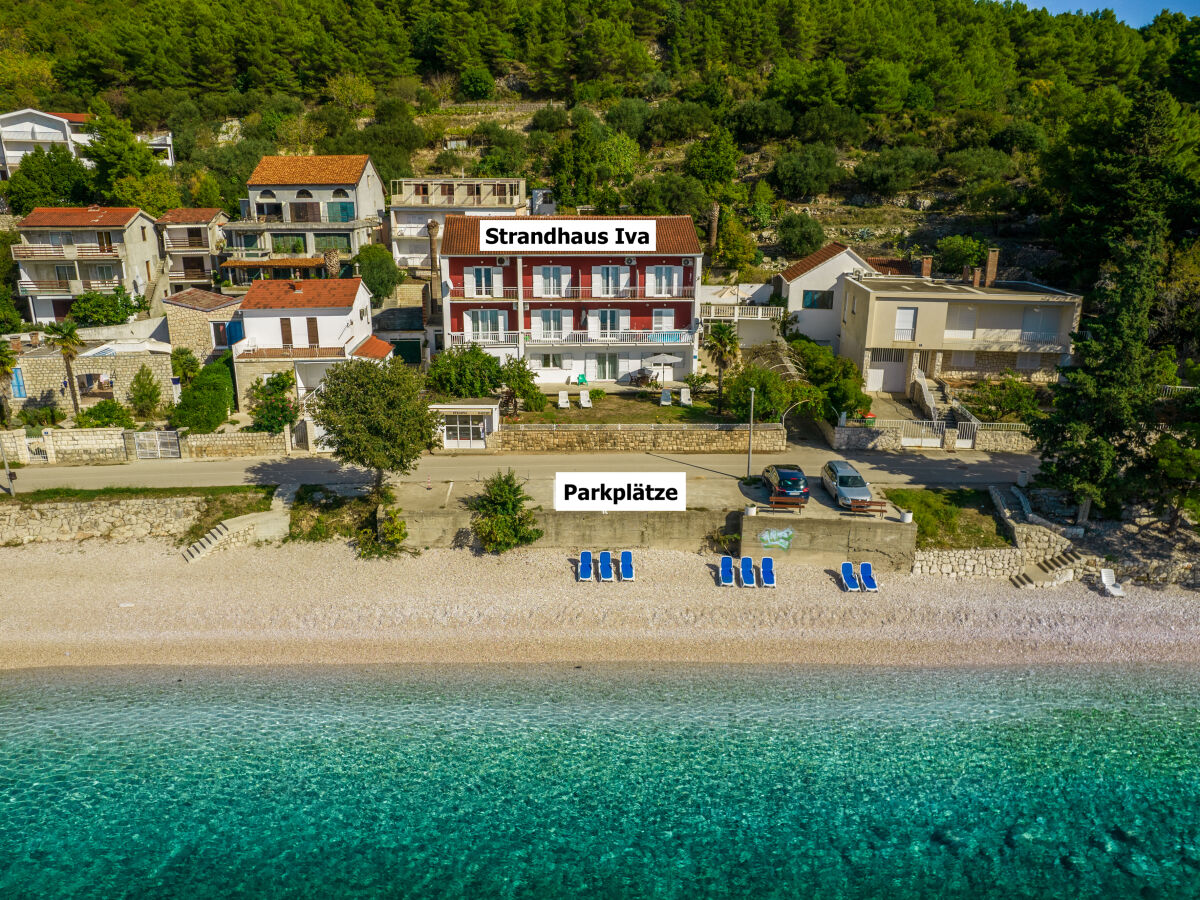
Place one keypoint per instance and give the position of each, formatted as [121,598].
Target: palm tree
[721,345]
[65,336]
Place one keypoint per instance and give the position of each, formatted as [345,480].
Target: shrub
[464,372]
[447,162]
[105,414]
[93,308]
[772,395]
[595,394]
[144,393]
[800,234]
[205,403]
[712,161]
[383,541]
[698,381]
[41,416]
[501,520]
[379,271]
[629,115]
[1006,400]
[549,118]
[896,169]
[761,120]
[184,365]
[958,250]
[836,377]
[476,83]
[979,164]
[272,407]
[806,172]
[519,377]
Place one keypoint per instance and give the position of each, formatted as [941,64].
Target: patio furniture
[767,572]
[783,501]
[869,507]
[1108,578]
[587,571]
[746,573]
[564,400]
[582,379]
[665,399]
[685,396]
[585,400]
[849,582]
[627,565]
[867,575]
[606,569]
[726,571]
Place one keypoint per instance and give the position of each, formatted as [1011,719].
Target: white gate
[966,435]
[927,433]
[37,450]
[156,444]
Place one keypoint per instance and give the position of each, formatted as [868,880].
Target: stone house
[204,322]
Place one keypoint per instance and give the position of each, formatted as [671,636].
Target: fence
[926,396]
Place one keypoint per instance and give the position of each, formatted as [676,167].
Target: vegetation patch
[318,514]
[952,519]
[641,408]
[228,505]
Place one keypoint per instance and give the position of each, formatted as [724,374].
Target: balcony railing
[194,276]
[31,288]
[1003,338]
[487,196]
[411,229]
[579,293]
[1042,337]
[185,243]
[66,251]
[674,336]
[492,338]
[484,295]
[248,348]
[906,334]
[103,286]
[248,252]
[738,311]
[277,219]
[95,251]
[38,251]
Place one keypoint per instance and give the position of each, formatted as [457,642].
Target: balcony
[583,293]
[247,349]
[38,251]
[464,193]
[67,251]
[1005,339]
[411,230]
[104,286]
[192,277]
[575,338]
[738,311]
[905,334]
[277,221]
[186,244]
[95,251]
[485,339]
[31,288]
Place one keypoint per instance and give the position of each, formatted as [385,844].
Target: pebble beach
[101,603]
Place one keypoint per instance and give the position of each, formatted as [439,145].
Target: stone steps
[206,544]
[1052,571]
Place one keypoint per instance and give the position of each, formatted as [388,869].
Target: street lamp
[750,443]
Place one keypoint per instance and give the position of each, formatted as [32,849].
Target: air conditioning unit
[687,263]
[502,260]
[629,260]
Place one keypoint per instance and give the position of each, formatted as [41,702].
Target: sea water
[609,782]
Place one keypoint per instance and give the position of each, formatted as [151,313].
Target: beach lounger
[564,400]
[587,571]
[746,573]
[1111,587]
[685,396]
[665,399]
[585,400]
[626,565]
[767,572]
[606,569]
[867,575]
[726,571]
[849,582]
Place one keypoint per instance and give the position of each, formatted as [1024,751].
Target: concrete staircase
[945,410]
[206,544]
[271,525]
[1049,572]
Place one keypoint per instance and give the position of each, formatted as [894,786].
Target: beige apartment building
[416,202]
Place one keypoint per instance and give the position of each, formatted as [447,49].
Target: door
[464,431]
[313,339]
[888,371]
[193,267]
[104,240]
[285,332]
[606,367]
[610,322]
[195,237]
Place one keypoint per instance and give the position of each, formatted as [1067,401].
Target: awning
[662,359]
[302,262]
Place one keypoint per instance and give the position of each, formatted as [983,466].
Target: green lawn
[625,409]
[951,519]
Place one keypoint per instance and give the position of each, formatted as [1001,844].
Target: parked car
[843,482]
[786,481]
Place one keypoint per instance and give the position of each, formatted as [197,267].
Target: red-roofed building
[303,327]
[68,251]
[582,298]
[24,130]
[810,286]
[192,240]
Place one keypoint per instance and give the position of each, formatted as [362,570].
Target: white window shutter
[590,367]
[624,280]
[497,282]
[597,282]
[535,323]
[678,292]
[568,322]
[625,364]
[468,321]
[503,321]
[566,281]
[624,319]
[593,323]
[538,289]
[468,282]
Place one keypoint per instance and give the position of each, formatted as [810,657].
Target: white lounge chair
[1111,586]
[564,400]
[685,396]
[665,399]
[585,400]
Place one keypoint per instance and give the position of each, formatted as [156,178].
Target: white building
[418,201]
[191,241]
[66,251]
[303,327]
[25,129]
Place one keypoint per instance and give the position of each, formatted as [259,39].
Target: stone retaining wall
[14,445]
[85,446]
[1004,442]
[872,438]
[768,438]
[224,446]
[977,563]
[118,520]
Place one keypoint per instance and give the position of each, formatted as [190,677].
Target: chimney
[976,276]
[714,214]
[966,275]
[297,288]
[35,338]
[991,266]
[926,266]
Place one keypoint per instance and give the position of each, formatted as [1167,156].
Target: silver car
[844,483]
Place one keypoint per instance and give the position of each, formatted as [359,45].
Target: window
[664,281]
[64,273]
[606,366]
[420,193]
[61,239]
[340,212]
[552,361]
[143,236]
[266,195]
[340,242]
[18,383]
[485,324]
[963,359]
[289,244]
[105,273]
[610,321]
[250,241]
[552,281]
[1029,361]
[340,193]
[220,335]
[104,239]
[854,305]
[552,322]
[303,194]
[817,300]
[664,319]
[447,190]
[610,281]
[906,323]
[474,192]
[483,281]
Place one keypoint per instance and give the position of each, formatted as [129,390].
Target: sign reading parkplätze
[620,491]
[569,235]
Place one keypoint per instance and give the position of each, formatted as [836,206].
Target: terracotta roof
[890,265]
[205,301]
[372,348]
[309,170]
[810,262]
[184,216]
[77,118]
[314,293]
[285,262]
[79,217]
[675,234]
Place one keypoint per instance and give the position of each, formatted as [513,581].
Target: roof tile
[205,301]
[284,170]
[676,234]
[314,293]
[372,348]
[189,216]
[79,217]
[814,259]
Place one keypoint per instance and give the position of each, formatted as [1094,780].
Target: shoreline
[314,604]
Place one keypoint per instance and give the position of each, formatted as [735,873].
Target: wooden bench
[782,501]
[870,507]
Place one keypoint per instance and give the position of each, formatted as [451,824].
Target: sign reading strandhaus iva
[558,235]
[620,491]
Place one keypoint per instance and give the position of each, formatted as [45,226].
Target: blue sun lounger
[726,571]
[587,571]
[767,572]
[868,577]
[746,573]
[626,565]
[849,582]
[606,569]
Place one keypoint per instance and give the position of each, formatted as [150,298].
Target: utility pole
[750,443]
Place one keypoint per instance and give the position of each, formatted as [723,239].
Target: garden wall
[1004,442]
[225,446]
[976,563]
[768,438]
[119,520]
[84,446]
[873,438]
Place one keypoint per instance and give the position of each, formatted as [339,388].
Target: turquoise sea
[662,782]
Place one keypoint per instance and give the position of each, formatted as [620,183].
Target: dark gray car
[844,483]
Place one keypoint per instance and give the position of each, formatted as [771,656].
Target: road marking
[446,502]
